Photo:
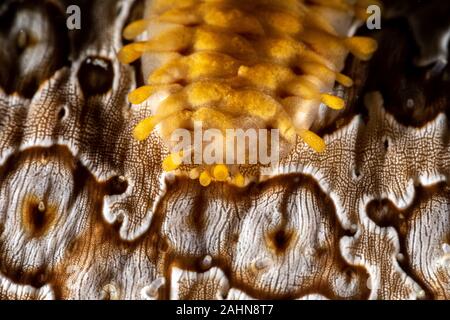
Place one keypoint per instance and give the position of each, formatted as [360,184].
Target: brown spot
[96,76]
[116,185]
[279,240]
[37,216]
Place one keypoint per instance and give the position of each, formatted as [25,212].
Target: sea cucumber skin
[366,219]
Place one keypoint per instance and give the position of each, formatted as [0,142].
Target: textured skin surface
[86,212]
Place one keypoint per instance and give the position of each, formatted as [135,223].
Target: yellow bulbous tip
[220,172]
[134,29]
[144,129]
[172,162]
[362,47]
[141,94]
[344,80]
[239,180]
[205,178]
[194,174]
[128,54]
[333,102]
[313,140]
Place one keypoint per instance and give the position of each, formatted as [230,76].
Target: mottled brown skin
[367,219]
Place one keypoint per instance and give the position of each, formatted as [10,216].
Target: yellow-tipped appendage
[141,94]
[333,102]
[344,80]
[135,28]
[205,178]
[143,130]
[361,47]
[194,173]
[129,54]
[220,172]
[313,140]
[173,162]
[239,180]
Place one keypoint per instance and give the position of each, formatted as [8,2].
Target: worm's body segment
[240,64]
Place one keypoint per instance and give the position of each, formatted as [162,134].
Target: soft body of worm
[240,64]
